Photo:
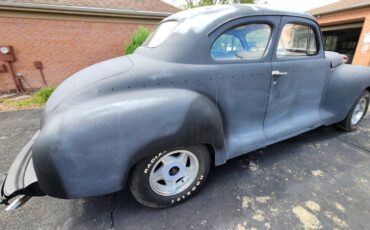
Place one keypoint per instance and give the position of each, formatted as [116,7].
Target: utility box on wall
[6,54]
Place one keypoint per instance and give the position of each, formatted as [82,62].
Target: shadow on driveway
[316,180]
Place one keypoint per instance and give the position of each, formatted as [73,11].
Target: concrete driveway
[319,180]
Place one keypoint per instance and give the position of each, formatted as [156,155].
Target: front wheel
[358,111]
[170,177]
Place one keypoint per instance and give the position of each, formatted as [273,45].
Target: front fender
[345,85]
[89,148]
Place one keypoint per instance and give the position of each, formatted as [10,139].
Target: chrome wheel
[174,172]
[359,111]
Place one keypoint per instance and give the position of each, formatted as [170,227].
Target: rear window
[160,34]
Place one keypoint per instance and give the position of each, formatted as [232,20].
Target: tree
[197,3]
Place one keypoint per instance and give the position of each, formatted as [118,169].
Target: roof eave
[82,10]
[341,10]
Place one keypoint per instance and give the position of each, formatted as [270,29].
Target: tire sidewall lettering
[152,161]
[189,192]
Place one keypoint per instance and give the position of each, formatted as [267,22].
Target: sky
[291,5]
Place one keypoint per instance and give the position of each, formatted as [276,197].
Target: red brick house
[67,35]
[346,29]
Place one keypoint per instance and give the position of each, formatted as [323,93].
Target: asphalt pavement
[318,180]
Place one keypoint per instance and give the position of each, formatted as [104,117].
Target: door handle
[277,73]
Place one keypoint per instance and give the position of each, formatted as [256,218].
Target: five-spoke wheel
[174,172]
[170,177]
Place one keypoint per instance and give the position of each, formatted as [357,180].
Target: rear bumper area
[21,177]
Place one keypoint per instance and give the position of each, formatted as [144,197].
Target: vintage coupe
[209,84]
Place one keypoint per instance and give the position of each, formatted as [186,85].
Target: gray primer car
[208,85]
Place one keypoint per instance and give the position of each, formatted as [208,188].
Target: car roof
[190,39]
[202,18]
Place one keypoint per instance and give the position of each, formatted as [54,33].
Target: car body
[186,87]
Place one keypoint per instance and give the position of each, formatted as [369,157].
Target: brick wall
[63,46]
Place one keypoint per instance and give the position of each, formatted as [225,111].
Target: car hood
[87,77]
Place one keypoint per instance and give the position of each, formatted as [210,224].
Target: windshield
[160,34]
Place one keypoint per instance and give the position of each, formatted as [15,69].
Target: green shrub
[43,94]
[137,39]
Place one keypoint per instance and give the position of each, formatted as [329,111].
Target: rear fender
[90,149]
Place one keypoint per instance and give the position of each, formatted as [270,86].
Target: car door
[240,58]
[297,80]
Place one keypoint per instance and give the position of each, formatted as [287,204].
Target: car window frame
[305,22]
[272,20]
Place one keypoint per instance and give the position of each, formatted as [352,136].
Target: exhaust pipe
[17,203]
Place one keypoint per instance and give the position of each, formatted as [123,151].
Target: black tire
[346,124]
[140,186]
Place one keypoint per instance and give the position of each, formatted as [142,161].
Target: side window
[227,43]
[297,40]
[243,42]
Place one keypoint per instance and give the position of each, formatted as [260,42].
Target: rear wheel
[358,111]
[170,177]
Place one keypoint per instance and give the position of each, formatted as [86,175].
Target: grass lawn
[36,100]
